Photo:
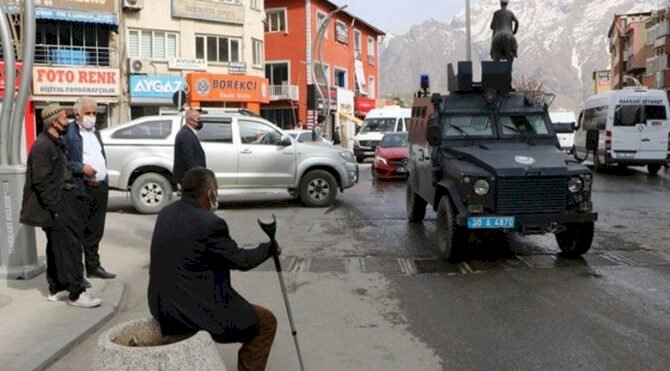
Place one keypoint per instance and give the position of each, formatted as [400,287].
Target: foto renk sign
[76,81]
[154,89]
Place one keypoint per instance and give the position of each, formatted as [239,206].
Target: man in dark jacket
[49,202]
[190,289]
[188,152]
[87,160]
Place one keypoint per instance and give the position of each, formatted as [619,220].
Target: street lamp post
[468,35]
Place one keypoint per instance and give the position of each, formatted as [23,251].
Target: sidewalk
[37,332]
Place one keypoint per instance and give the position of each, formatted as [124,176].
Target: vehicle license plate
[401,170]
[491,222]
[368,153]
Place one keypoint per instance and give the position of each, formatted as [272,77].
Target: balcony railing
[59,55]
[284,92]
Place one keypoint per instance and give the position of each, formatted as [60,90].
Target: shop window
[159,129]
[152,44]
[341,78]
[258,53]
[217,49]
[276,20]
[72,44]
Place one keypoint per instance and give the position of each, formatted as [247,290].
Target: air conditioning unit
[133,4]
[138,65]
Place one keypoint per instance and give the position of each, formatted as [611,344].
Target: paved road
[369,291]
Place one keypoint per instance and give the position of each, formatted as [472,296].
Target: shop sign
[237,68]
[88,11]
[206,87]
[341,33]
[364,105]
[154,88]
[76,81]
[2,77]
[604,78]
[193,64]
[207,10]
[88,5]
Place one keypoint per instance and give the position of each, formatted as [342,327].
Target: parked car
[378,122]
[565,124]
[306,136]
[391,157]
[248,154]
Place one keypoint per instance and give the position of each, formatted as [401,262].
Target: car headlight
[575,184]
[482,187]
[380,160]
[347,156]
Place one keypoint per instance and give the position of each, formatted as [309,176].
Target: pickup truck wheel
[150,193]
[576,239]
[318,188]
[414,205]
[451,238]
[653,169]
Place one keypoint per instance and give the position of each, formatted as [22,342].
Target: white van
[378,122]
[626,127]
[564,125]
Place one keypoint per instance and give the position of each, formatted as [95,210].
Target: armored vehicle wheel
[576,239]
[450,237]
[318,188]
[414,205]
[150,193]
[653,169]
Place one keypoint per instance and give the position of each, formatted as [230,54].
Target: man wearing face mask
[190,289]
[188,152]
[49,202]
[86,158]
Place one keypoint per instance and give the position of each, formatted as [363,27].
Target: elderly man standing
[49,202]
[188,152]
[86,159]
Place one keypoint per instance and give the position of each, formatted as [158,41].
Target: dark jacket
[188,153]
[192,254]
[75,150]
[46,180]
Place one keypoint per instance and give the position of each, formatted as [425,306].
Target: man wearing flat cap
[49,202]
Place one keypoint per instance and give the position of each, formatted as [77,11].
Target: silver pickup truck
[248,155]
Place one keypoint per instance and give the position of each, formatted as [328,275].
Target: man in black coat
[49,202]
[188,152]
[190,289]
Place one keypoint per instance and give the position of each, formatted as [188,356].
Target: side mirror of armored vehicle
[434,132]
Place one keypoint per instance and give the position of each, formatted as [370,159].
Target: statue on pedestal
[504,26]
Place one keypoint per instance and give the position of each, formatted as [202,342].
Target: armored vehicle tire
[150,193]
[318,188]
[653,169]
[576,239]
[450,237]
[414,205]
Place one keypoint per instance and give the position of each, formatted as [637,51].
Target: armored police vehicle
[486,158]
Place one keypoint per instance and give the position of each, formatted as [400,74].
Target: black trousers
[64,265]
[92,212]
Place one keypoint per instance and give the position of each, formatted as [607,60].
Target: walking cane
[270,229]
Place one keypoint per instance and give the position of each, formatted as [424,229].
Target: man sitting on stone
[190,289]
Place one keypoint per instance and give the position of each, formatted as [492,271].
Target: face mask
[213,203]
[88,123]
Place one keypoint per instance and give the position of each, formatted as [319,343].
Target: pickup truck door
[263,160]
[216,138]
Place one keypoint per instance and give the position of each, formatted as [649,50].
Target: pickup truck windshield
[466,126]
[378,125]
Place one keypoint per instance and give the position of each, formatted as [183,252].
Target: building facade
[628,47]
[350,59]
[220,44]
[658,39]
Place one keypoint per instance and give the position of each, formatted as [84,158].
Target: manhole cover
[5,301]
[435,266]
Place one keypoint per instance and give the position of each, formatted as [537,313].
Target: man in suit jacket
[192,254]
[188,152]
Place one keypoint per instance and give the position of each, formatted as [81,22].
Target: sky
[397,16]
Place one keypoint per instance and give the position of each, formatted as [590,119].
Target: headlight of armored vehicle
[575,184]
[347,156]
[481,187]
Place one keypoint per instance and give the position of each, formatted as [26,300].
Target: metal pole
[10,82]
[28,58]
[468,35]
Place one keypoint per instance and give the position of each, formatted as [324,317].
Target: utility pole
[468,35]
[318,43]
[18,251]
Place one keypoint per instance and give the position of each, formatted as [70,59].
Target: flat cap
[51,110]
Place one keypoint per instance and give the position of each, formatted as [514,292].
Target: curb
[51,350]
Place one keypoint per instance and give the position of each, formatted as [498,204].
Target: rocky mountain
[561,42]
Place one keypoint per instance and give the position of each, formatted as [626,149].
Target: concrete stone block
[138,345]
